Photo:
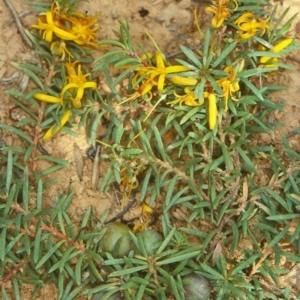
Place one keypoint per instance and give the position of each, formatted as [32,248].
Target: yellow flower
[229,85]
[78,82]
[47,24]
[47,98]
[180,80]
[249,25]
[59,48]
[86,30]
[276,49]
[220,11]
[212,111]
[55,128]
[84,27]
[188,98]
[157,75]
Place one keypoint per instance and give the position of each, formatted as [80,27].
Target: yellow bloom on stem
[220,11]
[78,82]
[157,75]
[180,80]
[85,28]
[47,24]
[276,49]
[249,25]
[55,128]
[47,98]
[190,99]
[229,85]
[212,111]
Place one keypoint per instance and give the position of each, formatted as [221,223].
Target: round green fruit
[99,296]
[151,240]
[196,287]
[116,240]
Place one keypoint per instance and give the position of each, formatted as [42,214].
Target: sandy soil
[170,24]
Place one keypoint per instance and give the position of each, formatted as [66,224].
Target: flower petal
[55,128]
[161,81]
[90,84]
[212,111]
[65,35]
[282,45]
[180,80]
[159,60]
[67,87]
[47,98]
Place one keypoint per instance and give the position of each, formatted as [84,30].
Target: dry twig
[18,23]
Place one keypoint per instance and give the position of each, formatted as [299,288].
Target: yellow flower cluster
[151,76]
[59,27]
[249,25]
[221,12]
[75,87]
[158,76]
[181,82]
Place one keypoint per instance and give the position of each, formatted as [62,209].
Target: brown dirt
[168,30]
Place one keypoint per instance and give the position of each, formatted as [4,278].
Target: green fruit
[151,240]
[116,240]
[196,287]
[99,296]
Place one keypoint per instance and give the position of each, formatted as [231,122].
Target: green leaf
[255,72]
[128,61]
[244,264]
[190,55]
[160,144]
[166,241]
[278,237]
[111,42]
[28,152]
[2,244]
[280,200]
[212,274]
[235,236]
[224,54]
[189,115]
[283,217]
[128,271]
[95,270]
[37,246]
[176,258]
[170,191]
[74,293]
[39,196]
[253,88]
[16,289]
[226,156]
[49,254]
[20,133]
[9,169]
[145,184]
[65,258]
[25,190]
[248,163]
[78,269]
[10,199]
